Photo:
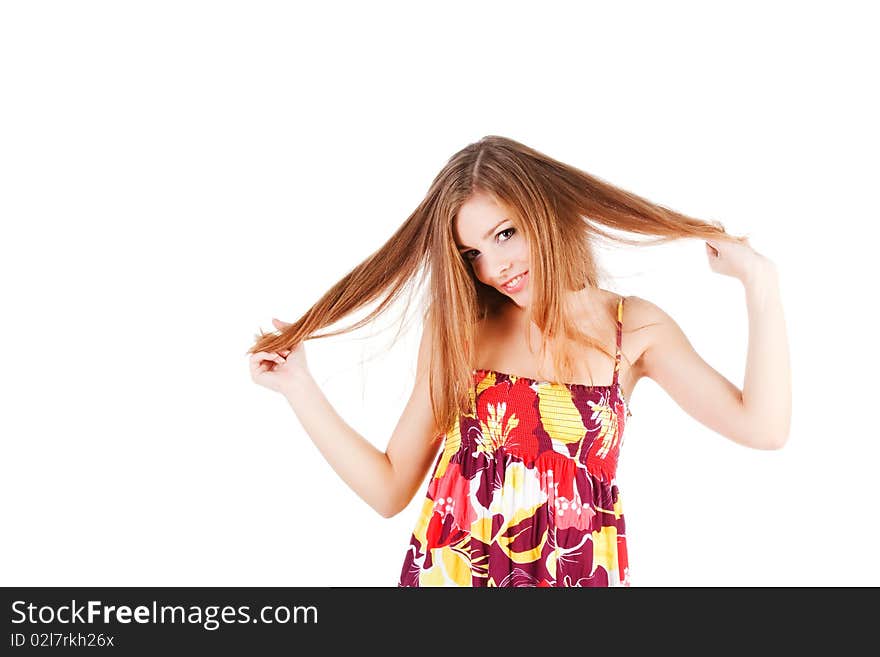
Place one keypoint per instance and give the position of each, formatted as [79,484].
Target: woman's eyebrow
[486,236]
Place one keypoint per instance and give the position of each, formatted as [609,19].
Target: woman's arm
[385,480]
[757,416]
[767,386]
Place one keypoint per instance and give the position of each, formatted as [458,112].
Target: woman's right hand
[276,370]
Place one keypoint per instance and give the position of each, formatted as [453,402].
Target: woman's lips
[519,284]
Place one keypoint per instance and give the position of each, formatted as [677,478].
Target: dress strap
[619,334]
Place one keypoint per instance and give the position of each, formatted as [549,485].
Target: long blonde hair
[561,211]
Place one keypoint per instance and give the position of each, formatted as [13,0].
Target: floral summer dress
[525,494]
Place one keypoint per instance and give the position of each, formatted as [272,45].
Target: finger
[279,323]
[267,355]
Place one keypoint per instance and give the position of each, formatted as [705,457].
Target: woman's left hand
[737,259]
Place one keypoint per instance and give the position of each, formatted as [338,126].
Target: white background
[174,174]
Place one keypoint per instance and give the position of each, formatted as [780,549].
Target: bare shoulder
[653,331]
[639,313]
[644,322]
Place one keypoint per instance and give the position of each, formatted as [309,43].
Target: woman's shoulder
[648,328]
[637,311]
[640,312]
[644,325]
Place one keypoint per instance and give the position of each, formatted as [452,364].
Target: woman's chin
[520,301]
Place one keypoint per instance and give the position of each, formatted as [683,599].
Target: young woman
[525,370]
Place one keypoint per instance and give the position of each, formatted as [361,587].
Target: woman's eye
[467,254]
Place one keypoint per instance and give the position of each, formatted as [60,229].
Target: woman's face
[498,252]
